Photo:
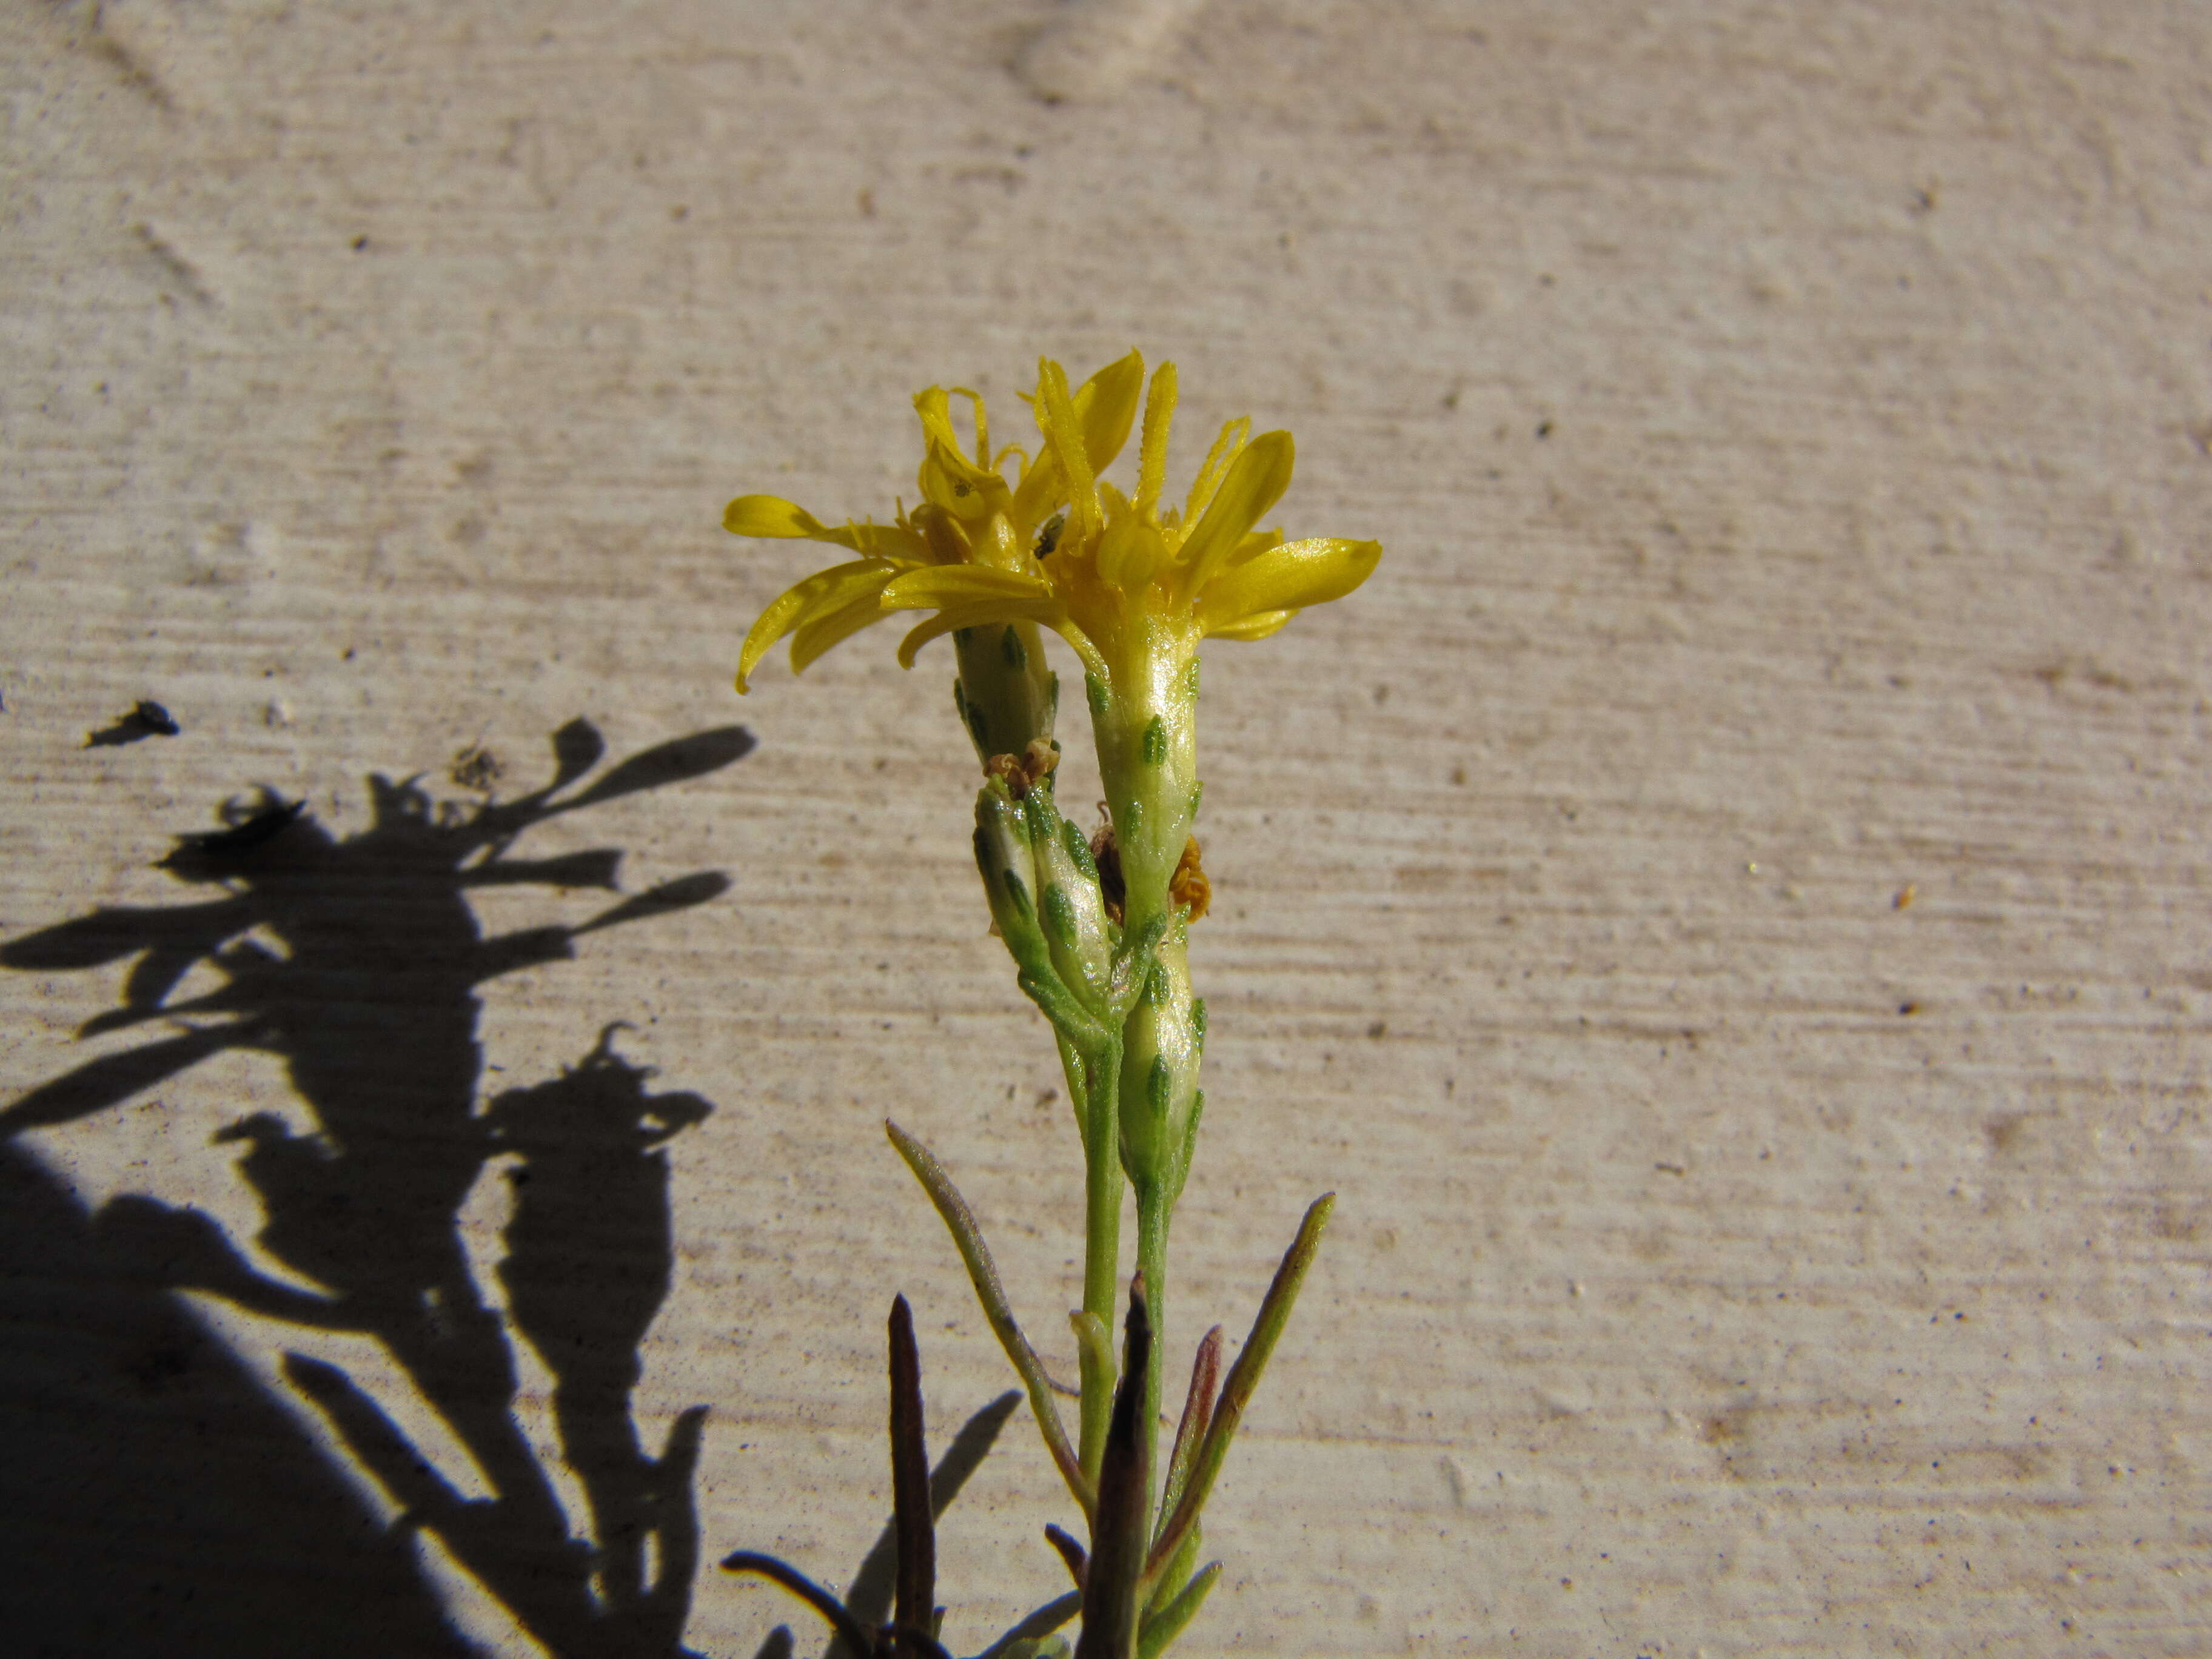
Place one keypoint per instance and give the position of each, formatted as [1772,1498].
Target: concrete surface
[1725,906]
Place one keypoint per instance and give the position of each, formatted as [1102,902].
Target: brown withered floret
[1023,772]
[1188,888]
[1107,856]
[1189,885]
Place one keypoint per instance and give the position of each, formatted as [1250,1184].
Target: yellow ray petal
[935,408]
[1056,420]
[944,536]
[1106,406]
[1042,489]
[1129,553]
[948,478]
[892,542]
[1254,544]
[832,627]
[1256,482]
[982,426]
[959,585]
[820,594]
[1224,450]
[771,515]
[1257,625]
[1287,578]
[1152,451]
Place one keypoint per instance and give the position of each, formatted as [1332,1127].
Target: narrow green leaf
[1175,1575]
[1042,986]
[1168,1624]
[983,1274]
[1244,1378]
[1197,1414]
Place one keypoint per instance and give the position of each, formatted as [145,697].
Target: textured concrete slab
[1725,906]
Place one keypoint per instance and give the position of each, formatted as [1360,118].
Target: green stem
[1101,1248]
[1154,1204]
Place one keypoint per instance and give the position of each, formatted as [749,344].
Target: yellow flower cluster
[1129,585]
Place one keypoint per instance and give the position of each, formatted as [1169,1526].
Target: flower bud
[1161,1043]
[1006,696]
[1073,911]
[1004,859]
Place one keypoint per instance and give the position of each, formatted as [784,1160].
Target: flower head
[970,514]
[1124,580]
[1128,582]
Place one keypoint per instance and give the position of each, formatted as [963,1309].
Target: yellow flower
[1133,587]
[970,514]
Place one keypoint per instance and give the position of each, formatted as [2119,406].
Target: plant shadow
[356,962]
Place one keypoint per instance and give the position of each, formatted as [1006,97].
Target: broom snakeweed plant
[1098,928]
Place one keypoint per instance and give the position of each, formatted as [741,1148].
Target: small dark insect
[240,839]
[1048,537]
[148,720]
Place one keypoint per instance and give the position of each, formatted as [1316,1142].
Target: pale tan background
[1788,427]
